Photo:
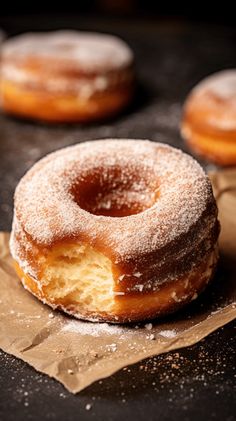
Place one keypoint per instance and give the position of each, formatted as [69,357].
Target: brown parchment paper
[78,353]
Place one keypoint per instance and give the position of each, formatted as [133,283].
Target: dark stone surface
[196,383]
[191,384]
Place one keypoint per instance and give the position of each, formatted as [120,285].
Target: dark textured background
[191,384]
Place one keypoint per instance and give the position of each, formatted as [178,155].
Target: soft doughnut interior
[79,274]
[92,296]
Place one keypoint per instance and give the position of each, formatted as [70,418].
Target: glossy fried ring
[209,118]
[106,231]
[66,76]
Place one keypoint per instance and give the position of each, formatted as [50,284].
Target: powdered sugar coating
[83,86]
[46,212]
[211,105]
[221,84]
[87,51]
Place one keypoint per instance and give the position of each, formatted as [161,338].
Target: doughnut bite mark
[209,118]
[107,231]
[66,76]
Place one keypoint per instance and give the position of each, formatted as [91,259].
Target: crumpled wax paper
[78,353]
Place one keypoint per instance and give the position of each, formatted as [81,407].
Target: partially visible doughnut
[209,118]
[115,230]
[66,76]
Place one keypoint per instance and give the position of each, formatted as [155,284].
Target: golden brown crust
[216,148]
[66,76]
[132,307]
[208,123]
[123,200]
[63,107]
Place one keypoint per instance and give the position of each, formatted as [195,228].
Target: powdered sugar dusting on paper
[95,329]
[168,333]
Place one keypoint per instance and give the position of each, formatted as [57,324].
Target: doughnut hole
[116,191]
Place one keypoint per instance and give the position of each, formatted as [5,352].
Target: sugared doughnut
[66,76]
[209,118]
[115,230]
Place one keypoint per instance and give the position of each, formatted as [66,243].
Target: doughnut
[209,118]
[66,76]
[115,230]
